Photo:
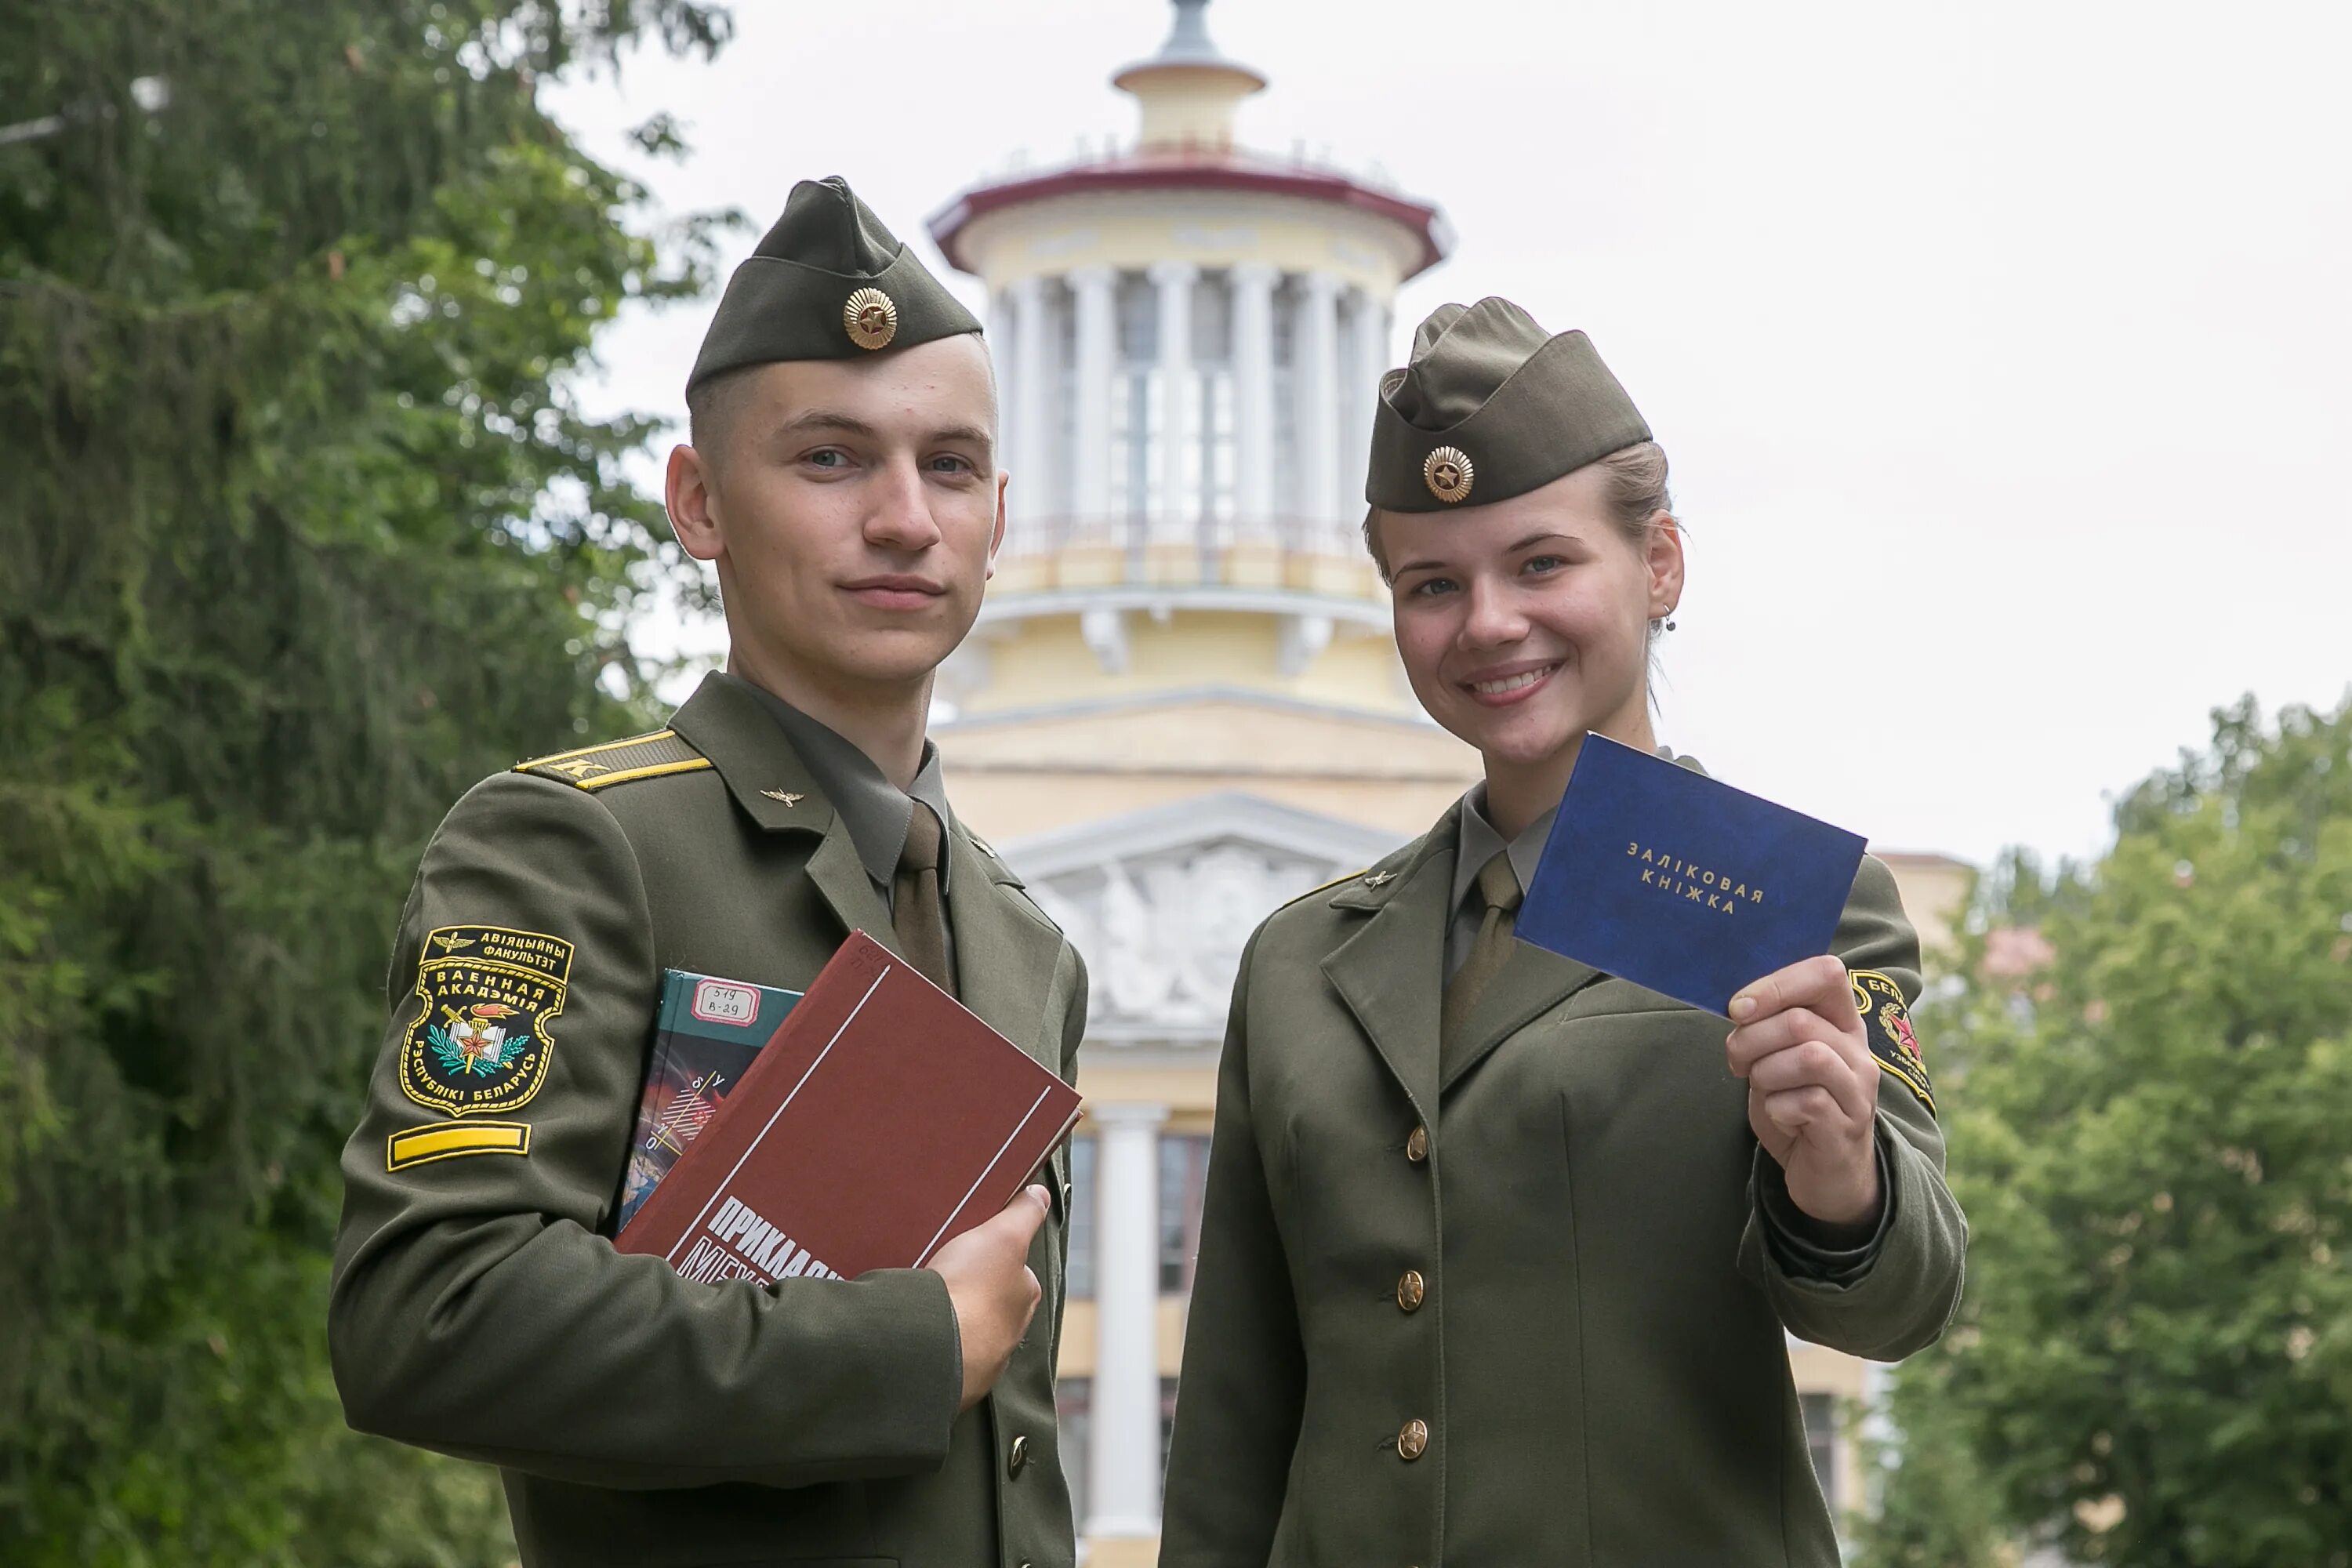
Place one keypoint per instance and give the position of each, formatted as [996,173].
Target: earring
[1670,623]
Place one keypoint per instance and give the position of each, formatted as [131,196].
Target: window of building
[1081,1276]
[1820,1411]
[1074,1400]
[1136,415]
[1183,1175]
[1287,487]
[1061,479]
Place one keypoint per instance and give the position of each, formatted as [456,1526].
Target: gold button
[1018,1460]
[1412,1440]
[1410,1289]
[1416,1147]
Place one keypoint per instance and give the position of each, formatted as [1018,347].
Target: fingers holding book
[1812,1087]
[992,1289]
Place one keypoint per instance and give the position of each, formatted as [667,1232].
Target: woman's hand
[1812,1087]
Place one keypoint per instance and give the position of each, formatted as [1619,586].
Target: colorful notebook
[707,1030]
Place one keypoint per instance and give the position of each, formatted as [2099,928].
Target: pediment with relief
[1161,901]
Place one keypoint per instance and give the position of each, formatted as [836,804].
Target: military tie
[916,911]
[1498,887]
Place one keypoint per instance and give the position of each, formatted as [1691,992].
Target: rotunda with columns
[1188,336]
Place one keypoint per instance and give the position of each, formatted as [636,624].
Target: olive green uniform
[477,1306]
[1523,1300]
[1594,1343]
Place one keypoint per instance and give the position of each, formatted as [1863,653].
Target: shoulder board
[1324,889]
[619,761]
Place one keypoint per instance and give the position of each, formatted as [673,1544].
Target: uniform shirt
[1798,1240]
[876,811]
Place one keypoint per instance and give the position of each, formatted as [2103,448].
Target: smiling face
[853,508]
[1525,622]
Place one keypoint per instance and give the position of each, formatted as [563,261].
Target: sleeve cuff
[1795,1239]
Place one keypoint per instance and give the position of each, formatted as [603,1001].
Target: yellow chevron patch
[423,1145]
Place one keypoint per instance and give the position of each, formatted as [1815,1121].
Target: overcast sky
[2000,349]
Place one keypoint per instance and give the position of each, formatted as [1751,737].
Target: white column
[1316,376]
[1253,290]
[1177,457]
[1123,1460]
[1026,443]
[1096,290]
[1363,395]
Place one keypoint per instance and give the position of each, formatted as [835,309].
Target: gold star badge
[1448,474]
[779,794]
[871,317]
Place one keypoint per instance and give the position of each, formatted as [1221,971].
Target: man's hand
[1812,1087]
[992,1288]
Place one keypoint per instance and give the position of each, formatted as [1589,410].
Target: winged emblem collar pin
[787,798]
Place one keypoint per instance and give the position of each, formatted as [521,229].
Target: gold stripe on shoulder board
[690,764]
[553,757]
[619,761]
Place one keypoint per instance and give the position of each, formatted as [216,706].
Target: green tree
[2153,1364]
[302,532]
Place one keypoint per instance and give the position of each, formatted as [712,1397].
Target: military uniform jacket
[1531,1312]
[477,1308]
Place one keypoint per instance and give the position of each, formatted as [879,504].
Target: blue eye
[955,465]
[1543,563]
[827,458]
[1429,587]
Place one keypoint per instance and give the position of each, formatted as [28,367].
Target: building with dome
[1183,706]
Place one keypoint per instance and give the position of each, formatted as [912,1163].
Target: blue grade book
[1660,875]
[706,1032]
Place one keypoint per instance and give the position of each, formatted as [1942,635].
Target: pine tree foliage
[302,532]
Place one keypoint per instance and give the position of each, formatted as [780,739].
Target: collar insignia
[779,794]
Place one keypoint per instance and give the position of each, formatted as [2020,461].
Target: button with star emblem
[1412,1440]
[1412,1290]
[1416,1146]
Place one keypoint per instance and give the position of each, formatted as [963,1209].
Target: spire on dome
[1189,89]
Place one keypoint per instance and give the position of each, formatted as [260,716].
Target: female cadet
[1498,1251]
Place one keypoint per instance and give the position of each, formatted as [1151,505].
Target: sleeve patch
[1893,1043]
[446,1140]
[482,1037]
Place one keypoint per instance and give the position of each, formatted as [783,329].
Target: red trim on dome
[1189,172]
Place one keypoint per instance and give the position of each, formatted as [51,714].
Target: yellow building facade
[1183,706]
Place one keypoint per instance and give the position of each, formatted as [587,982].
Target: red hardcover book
[881,1120]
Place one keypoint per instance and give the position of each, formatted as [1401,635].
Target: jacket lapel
[1390,971]
[1533,980]
[1004,957]
[726,722]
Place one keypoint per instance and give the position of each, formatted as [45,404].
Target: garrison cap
[1491,407]
[829,281]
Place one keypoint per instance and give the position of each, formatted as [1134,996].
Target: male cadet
[843,479]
